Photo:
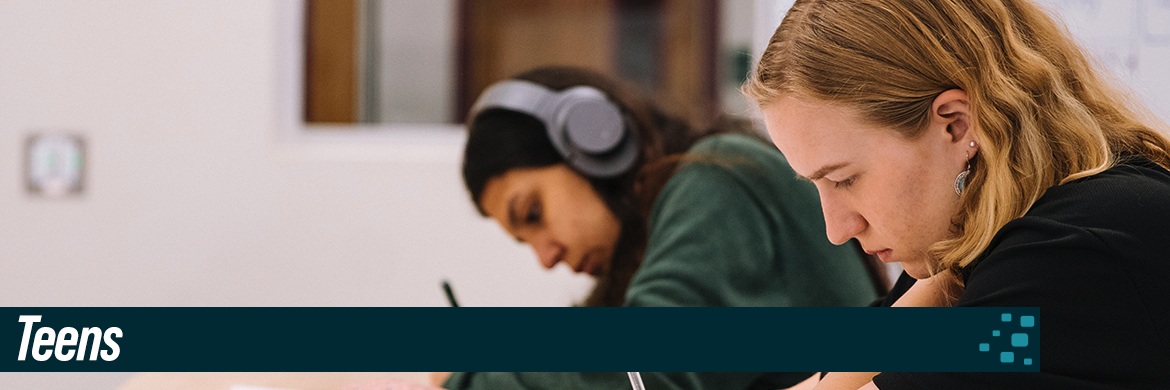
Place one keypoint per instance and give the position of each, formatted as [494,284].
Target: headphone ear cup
[593,134]
[594,127]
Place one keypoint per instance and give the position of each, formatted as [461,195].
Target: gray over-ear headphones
[589,130]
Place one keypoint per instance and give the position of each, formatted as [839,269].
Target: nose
[547,250]
[841,221]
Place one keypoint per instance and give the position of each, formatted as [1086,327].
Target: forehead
[813,133]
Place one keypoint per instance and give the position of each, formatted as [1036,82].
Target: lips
[587,265]
[883,255]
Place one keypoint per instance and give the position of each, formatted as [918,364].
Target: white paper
[246,387]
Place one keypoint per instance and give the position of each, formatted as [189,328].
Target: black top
[1092,255]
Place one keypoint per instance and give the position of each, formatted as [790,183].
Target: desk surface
[281,380]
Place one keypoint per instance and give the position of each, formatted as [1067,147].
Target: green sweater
[733,228]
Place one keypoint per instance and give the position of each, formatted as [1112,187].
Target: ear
[951,112]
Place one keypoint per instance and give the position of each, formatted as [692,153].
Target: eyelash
[845,183]
[533,215]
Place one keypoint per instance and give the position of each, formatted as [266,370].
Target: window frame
[410,142]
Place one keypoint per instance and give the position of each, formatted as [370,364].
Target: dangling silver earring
[961,181]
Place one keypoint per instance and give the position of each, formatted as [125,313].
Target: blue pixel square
[984,347]
[1019,339]
[1028,361]
[1007,357]
[1006,317]
[1027,321]
[995,333]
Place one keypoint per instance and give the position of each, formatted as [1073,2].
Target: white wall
[197,196]
[1131,38]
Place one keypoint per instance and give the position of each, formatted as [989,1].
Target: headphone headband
[588,130]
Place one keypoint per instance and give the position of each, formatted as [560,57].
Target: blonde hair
[1041,114]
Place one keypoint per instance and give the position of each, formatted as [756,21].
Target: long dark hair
[501,140]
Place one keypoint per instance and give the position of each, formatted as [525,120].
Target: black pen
[450,295]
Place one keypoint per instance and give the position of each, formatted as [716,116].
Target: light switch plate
[55,164]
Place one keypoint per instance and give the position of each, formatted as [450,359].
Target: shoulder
[738,151]
[1091,254]
[731,170]
[1102,225]
[723,143]
[1119,199]
[748,163]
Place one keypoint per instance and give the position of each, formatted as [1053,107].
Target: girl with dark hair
[596,177]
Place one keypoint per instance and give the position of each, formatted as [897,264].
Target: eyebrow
[822,172]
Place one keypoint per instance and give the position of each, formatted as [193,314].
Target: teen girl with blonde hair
[974,142]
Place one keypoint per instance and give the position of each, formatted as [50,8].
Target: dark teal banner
[520,339]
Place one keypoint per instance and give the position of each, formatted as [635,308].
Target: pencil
[636,381]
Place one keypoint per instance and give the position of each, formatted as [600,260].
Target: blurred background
[306,153]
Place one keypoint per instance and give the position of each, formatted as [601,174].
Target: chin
[916,270]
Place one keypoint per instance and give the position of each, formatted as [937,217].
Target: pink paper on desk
[389,385]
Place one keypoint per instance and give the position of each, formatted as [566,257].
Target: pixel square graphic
[1008,348]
